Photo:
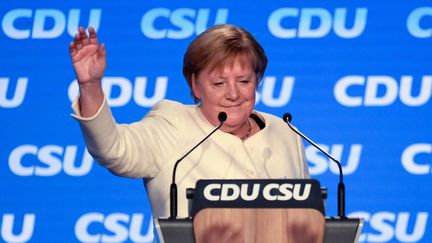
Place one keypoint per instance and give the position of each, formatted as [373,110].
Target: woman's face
[231,89]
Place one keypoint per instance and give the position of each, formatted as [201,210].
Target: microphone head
[287,117]
[222,116]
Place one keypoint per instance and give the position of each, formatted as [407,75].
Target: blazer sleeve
[136,150]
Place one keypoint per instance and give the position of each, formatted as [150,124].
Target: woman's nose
[232,92]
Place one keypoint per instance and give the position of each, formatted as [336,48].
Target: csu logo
[319,163]
[286,23]
[9,228]
[270,192]
[388,226]
[116,227]
[7,101]
[45,23]
[412,158]
[161,23]
[49,160]
[354,91]
[274,92]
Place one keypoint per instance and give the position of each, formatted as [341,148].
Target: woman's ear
[194,84]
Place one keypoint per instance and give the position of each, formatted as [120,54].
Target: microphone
[222,116]
[341,187]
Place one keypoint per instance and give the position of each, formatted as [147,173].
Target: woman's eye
[218,84]
[244,81]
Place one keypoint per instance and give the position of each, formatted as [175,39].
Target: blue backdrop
[356,75]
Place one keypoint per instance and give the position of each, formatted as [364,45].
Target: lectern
[257,211]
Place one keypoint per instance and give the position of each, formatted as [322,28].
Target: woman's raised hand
[88,57]
[89,62]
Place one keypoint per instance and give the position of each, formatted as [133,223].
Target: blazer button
[250,171]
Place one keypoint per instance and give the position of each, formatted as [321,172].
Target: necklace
[249,131]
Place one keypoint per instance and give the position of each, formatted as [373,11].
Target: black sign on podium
[257,194]
[259,198]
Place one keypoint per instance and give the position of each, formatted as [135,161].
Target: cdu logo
[128,90]
[10,96]
[418,24]
[45,23]
[10,227]
[251,192]
[391,90]
[417,159]
[288,23]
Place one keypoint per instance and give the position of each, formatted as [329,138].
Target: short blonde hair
[216,45]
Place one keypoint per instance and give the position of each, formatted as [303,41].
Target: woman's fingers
[81,39]
[93,37]
[84,40]
[78,42]
[72,49]
[101,51]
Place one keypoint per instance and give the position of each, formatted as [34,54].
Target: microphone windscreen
[287,117]
[222,116]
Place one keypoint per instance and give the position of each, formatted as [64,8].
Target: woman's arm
[89,62]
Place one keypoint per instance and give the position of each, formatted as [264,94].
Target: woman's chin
[232,125]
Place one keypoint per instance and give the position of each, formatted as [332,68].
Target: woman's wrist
[91,98]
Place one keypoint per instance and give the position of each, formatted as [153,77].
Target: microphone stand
[341,186]
[173,188]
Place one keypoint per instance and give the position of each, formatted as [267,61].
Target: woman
[223,67]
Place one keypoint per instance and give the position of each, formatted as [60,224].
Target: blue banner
[356,75]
